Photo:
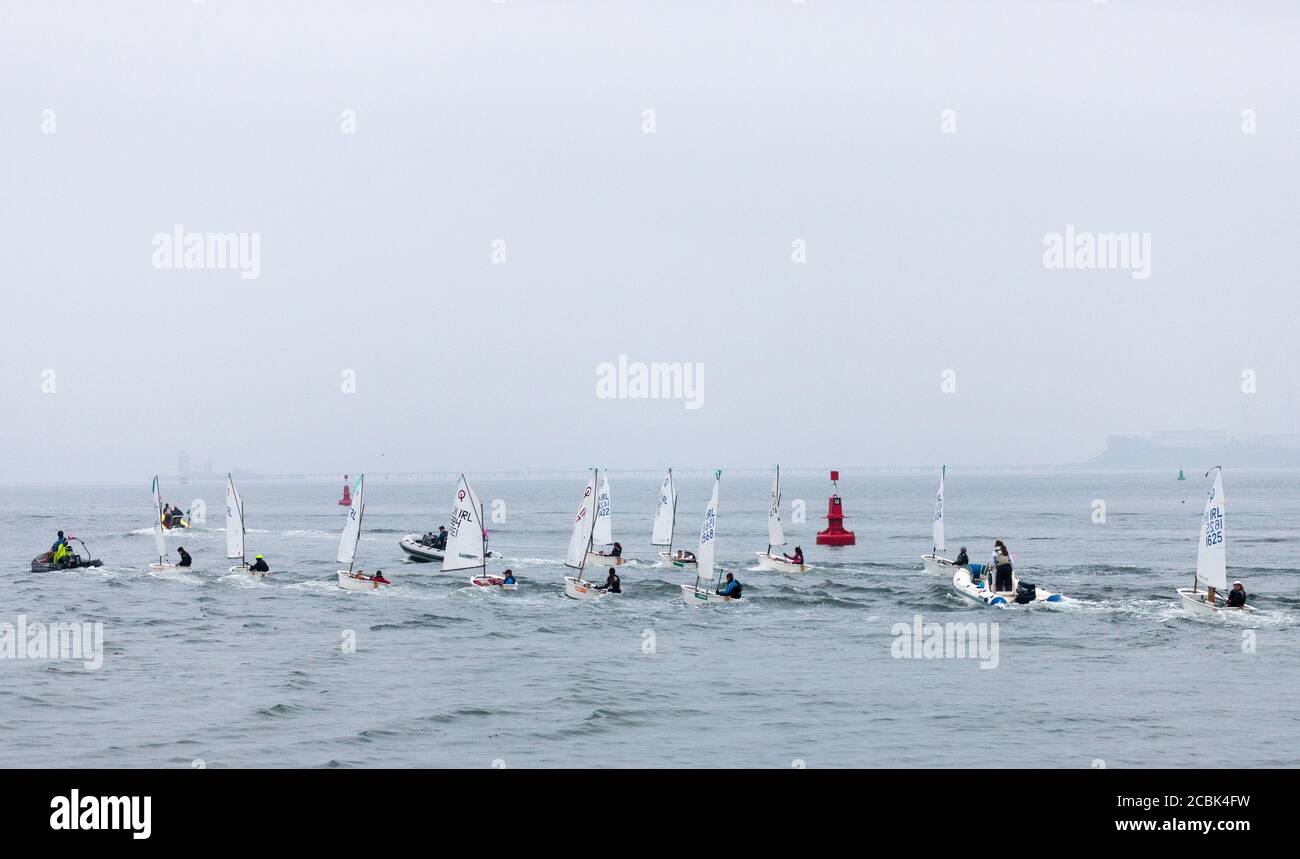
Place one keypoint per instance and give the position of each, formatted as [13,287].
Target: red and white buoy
[346,500]
[835,535]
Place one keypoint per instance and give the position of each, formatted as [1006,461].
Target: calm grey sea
[212,667]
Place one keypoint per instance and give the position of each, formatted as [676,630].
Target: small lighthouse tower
[835,535]
[346,500]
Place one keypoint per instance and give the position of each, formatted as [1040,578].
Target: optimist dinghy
[235,531]
[664,525]
[467,541]
[580,543]
[602,533]
[933,562]
[351,579]
[159,538]
[1211,558]
[695,594]
[981,590]
[776,535]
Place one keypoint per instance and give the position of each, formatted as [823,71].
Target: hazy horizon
[923,232]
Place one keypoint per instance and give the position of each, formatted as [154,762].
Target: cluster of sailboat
[592,545]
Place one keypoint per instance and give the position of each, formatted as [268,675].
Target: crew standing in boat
[185,560]
[1237,596]
[1001,563]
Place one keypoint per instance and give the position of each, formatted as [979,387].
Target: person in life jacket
[617,551]
[797,557]
[1237,596]
[259,565]
[1001,563]
[439,540]
[379,577]
[613,583]
[508,577]
[185,560]
[60,550]
[730,588]
[962,558]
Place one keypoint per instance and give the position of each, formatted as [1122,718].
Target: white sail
[775,534]
[234,521]
[352,530]
[1212,554]
[465,535]
[580,539]
[603,534]
[665,513]
[708,536]
[159,541]
[938,516]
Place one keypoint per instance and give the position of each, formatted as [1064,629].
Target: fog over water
[462,205]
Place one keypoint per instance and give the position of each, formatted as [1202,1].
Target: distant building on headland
[1200,449]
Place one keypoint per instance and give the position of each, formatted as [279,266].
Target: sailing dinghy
[603,532]
[776,535]
[467,540]
[235,530]
[933,562]
[1211,558]
[350,579]
[159,539]
[580,542]
[694,594]
[664,525]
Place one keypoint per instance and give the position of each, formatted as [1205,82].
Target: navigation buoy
[346,500]
[835,535]
[1180,475]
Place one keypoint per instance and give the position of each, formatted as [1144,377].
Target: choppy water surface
[209,666]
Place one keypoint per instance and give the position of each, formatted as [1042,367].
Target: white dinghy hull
[983,595]
[1194,602]
[582,590]
[780,564]
[493,582]
[595,559]
[350,582]
[669,559]
[245,569]
[159,568]
[935,564]
[691,595]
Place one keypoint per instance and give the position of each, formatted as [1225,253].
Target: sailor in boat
[436,541]
[508,577]
[613,584]
[962,558]
[616,552]
[1237,596]
[185,560]
[684,555]
[59,553]
[1001,564]
[379,577]
[730,588]
[797,557]
[259,566]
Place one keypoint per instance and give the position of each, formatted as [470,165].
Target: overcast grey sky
[525,121]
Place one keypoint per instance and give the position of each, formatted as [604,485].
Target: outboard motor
[1026,592]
